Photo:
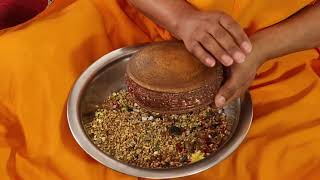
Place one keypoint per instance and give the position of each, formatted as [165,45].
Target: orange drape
[40,60]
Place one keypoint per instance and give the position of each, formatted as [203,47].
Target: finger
[216,50]
[237,33]
[227,42]
[238,93]
[226,92]
[231,90]
[234,96]
[197,50]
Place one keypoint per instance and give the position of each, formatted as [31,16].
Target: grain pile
[131,134]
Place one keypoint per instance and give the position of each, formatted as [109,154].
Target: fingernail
[227,59]
[220,100]
[210,62]
[240,57]
[246,46]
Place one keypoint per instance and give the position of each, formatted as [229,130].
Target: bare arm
[165,13]
[299,32]
[210,36]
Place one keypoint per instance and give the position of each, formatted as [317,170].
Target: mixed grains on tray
[129,133]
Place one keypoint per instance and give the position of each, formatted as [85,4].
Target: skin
[210,36]
[297,33]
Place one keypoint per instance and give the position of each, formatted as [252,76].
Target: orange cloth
[41,59]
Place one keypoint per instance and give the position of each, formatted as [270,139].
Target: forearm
[297,33]
[164,13]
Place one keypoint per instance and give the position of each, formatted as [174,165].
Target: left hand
[240,78]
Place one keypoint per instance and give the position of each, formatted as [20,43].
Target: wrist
[261,48]
[181,21]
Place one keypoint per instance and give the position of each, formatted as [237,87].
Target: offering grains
[128,133]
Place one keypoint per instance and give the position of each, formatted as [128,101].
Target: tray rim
[78,133]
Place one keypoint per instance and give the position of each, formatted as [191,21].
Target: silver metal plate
[105,76]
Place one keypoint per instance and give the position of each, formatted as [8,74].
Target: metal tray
[105,76]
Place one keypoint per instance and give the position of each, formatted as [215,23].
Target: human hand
[213,36]
[240,78]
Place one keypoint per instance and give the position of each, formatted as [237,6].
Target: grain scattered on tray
[129,133]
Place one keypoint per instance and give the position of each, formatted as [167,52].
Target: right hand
[213,36]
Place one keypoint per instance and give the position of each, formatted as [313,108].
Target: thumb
[225,93]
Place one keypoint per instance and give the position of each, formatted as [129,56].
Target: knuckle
[210,24]
[194,49]
[229,23]
[240,35]
[202,55]
[204,23]
[216,50]
[225,18]
[219,53]
[219,33]
[193,36]
[229,45]
[206,39]
[197,34]
[243,36]
[232,47]
[191,46]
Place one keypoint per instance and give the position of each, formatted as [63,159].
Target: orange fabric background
[41,59]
